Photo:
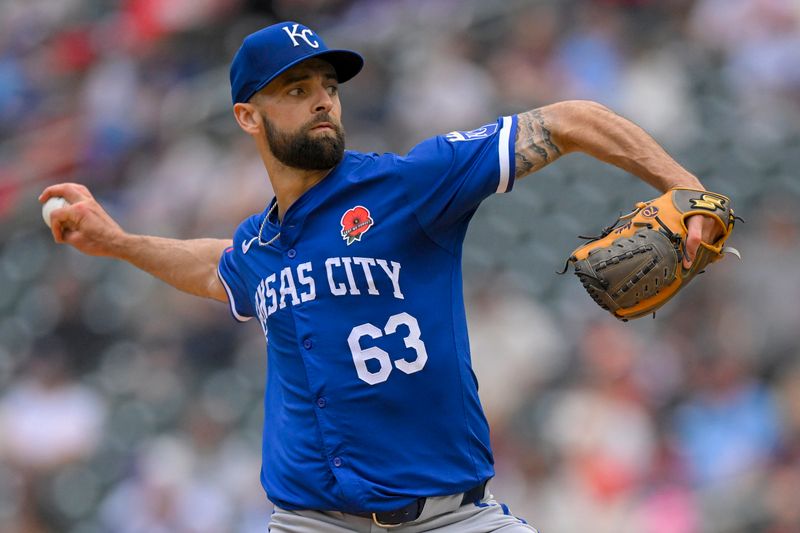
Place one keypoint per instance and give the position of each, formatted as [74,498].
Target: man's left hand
[700,228]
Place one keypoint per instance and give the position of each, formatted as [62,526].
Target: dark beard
[299,150]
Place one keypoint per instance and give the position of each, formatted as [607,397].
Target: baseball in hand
[56,202]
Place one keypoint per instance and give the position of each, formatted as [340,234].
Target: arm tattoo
[533,147]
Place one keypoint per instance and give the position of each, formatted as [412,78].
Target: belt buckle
[381,524]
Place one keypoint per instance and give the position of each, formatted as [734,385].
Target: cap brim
[346,63]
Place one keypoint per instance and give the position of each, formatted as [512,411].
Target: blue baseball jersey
[370,400]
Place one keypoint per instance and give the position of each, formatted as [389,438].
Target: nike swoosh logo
[246,244]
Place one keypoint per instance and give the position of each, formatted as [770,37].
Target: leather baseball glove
[635,265]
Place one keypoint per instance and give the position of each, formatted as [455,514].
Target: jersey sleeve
[448,176]
[232,275]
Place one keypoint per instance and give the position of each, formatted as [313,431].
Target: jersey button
[321,403]
[337,461]
[291,253]
[307,344]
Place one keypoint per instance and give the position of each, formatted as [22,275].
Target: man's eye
[296,92]
[333,89]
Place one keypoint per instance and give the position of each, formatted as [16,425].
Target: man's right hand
[83,224]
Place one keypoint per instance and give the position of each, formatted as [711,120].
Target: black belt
[413,510]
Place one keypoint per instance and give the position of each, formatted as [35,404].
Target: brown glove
[635,265]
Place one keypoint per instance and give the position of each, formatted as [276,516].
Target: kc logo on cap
[267,53]
[294,34]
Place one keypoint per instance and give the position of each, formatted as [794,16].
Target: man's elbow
[215,290]
[573,120]
[583,106]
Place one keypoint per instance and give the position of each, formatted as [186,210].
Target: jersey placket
[295,251]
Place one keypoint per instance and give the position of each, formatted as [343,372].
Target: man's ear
[248,118]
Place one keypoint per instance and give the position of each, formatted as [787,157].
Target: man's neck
[290,183]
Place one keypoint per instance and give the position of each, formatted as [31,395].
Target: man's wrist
[123,246]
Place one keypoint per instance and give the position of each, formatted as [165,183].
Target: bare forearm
[188,265]
[579,126]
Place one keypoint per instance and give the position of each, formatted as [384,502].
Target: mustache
[319,119]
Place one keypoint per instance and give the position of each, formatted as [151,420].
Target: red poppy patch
[355,223]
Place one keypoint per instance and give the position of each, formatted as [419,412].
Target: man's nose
[323,102]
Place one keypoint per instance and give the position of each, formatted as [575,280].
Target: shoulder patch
[480,133]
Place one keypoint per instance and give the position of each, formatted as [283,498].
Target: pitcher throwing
[353,271]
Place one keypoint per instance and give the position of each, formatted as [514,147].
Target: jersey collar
[292,223]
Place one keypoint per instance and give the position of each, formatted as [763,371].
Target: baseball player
[353,272]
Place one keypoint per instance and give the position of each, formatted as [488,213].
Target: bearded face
[306,148]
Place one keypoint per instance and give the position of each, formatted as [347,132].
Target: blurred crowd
[129,407]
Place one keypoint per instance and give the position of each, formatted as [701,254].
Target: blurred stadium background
[128,407]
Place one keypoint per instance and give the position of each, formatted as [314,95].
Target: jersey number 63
[362,355]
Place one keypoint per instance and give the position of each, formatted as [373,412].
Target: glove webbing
[638,276]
